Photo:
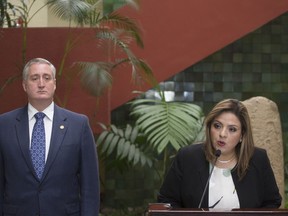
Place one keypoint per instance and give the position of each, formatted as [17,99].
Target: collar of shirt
[49,111]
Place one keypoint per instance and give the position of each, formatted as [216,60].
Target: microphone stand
[217,154]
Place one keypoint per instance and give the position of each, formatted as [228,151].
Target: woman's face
[225,133]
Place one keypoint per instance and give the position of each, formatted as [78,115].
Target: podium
[163,209]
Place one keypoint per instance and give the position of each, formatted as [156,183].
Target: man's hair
[37,61]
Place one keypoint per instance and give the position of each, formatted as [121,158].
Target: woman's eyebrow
[230,125]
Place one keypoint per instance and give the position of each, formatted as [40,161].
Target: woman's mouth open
[221,143]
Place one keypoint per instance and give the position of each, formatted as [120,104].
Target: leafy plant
[113,33]
[161,125]
[7,14]
[165,123]
[125,143]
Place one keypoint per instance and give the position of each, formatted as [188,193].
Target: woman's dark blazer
[186,179]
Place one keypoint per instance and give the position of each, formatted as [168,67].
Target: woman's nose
[223,133]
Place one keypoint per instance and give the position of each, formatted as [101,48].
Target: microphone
[217,154]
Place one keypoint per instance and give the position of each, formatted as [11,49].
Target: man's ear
[55,84]
[24,85]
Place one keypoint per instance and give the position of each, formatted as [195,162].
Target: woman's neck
[226,162]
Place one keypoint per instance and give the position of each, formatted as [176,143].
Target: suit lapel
[59,129]
[22,133]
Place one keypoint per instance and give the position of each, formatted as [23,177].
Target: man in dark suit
[63,180]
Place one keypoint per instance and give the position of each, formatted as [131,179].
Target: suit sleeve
[1,182]
[89,173]
[170,191]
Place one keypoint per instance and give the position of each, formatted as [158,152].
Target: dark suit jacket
[70,184]
[186,179]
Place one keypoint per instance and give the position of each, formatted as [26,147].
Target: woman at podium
[226,171]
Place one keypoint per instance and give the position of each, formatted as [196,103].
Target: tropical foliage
[160,127]
[125,144]
[7,14]
[113,33]
[164,123]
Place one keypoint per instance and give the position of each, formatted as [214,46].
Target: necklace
[226,161]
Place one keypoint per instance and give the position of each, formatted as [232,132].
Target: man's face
[40,84]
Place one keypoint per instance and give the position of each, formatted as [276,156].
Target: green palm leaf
[123,145]
[167,123]
[68,10]
[95,77]
[115,20]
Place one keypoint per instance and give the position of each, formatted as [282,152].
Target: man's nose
[41,82]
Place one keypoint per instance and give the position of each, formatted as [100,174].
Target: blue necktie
[38,145]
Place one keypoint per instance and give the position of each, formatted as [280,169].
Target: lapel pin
[62,127]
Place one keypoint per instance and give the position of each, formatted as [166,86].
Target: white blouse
[222,193]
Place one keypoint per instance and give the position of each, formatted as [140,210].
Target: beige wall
[42,18]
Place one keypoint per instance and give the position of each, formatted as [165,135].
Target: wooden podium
[162,209]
